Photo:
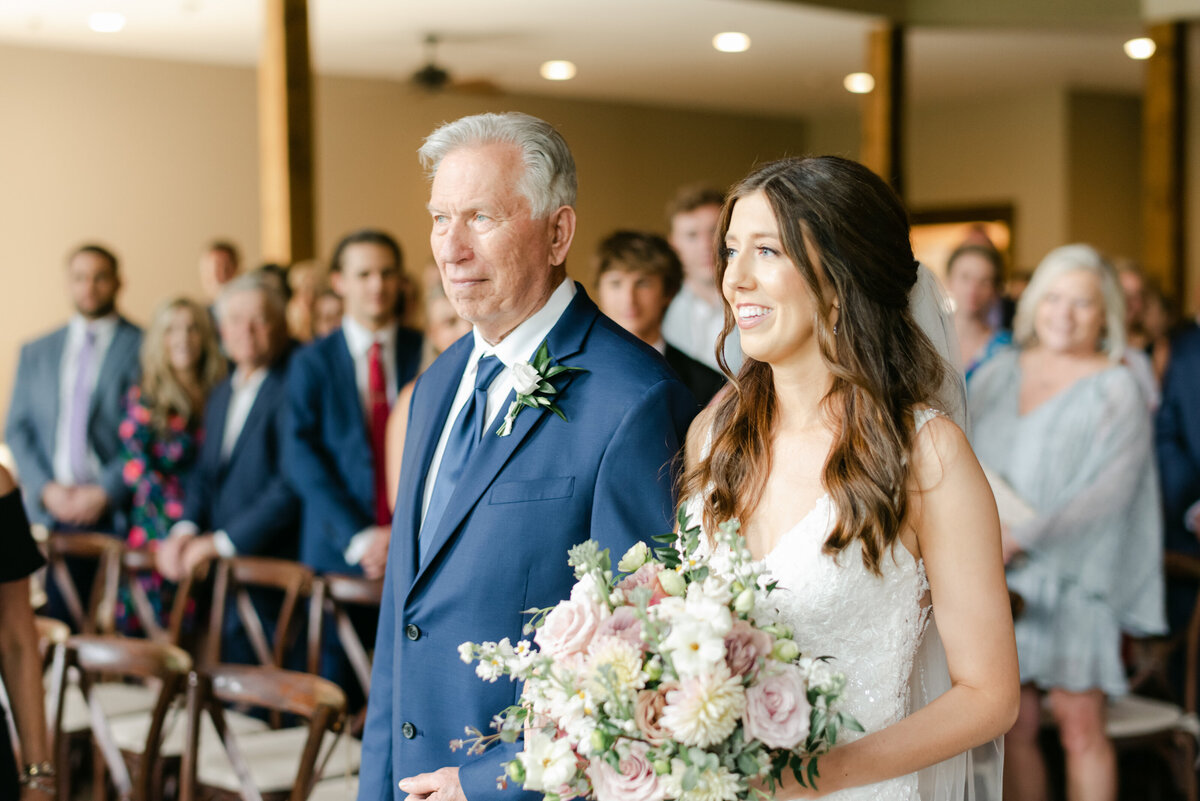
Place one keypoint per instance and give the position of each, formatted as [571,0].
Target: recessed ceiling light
[1141,48]
[860,83]
[106,22]
[558,70]
[731,42]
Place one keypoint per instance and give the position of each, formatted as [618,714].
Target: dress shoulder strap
[923,416]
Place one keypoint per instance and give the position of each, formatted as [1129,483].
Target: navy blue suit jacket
[32,426]
[1177,434]
[328,451]
[246,496]
[501,547]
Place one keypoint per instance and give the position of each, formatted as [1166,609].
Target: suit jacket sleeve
[375,778]
[275,514]
[624,511]
[111,471]
[307,463]
[1178,459]
[32,453]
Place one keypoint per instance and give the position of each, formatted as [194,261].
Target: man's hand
[89,502]
[57,500]
[374,560]
[168,559]
[1191,519]
[199,549]
[441,785]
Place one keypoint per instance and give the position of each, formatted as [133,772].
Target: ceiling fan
[433,77]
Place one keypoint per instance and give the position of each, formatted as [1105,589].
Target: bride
[865,504]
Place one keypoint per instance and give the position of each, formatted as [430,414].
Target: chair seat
[115,698]
[337,788]
[1137,715]
[274,759]
[130,731]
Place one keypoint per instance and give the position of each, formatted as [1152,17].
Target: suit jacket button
[409,731]
[412,632]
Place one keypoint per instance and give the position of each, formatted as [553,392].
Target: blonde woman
[1062,420]
[181,363]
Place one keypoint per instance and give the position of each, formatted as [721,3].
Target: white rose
[525,378]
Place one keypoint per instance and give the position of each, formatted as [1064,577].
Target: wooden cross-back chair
[267,766]
[234,580]
[105,551]
[1141,722]
[137,563]
[337,595]
[136,776]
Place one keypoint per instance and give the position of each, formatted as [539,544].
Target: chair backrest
[317,700]
[50,633]
[137,563]
[234,579]
[336,594]
[151,663]
[105,550]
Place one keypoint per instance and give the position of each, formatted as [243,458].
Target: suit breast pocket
[541,489]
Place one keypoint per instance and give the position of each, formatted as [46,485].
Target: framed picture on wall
[937,232]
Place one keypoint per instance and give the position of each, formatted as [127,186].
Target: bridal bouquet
[664,681]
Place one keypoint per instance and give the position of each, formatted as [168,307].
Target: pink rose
[777,708]
[647,712]
[569,628]
[623,624]
[636,780]
[744,647]
[644,576]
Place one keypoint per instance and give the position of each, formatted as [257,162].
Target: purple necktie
[81,401]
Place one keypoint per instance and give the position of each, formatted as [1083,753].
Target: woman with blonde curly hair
[160,436]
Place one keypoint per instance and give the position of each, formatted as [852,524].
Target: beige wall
[157,157]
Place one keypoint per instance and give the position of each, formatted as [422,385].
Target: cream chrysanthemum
[705,709]
[615,667]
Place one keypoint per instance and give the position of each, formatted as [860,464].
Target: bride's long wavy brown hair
[883,365]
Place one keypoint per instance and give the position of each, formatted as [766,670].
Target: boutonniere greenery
[532,384]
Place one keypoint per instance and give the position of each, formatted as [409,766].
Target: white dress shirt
[105,329]
[244,389]
[693,325]
[518,346]
[359,341]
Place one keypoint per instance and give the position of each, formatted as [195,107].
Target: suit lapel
[431,403]
[264,404]
[214,435]
[345,380]
[53,383]
[118,350]
[564,341]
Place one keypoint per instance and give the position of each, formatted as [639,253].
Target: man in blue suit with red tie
[488,503]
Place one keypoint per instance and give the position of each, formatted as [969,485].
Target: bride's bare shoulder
[940,448]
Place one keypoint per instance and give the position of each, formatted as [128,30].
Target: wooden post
[1163,158]
[883,109]
[286,134]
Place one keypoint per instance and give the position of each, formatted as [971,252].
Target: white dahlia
[705,709]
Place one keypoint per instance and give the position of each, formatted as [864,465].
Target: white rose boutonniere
[531,381]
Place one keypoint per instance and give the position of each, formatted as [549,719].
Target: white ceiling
[646,51]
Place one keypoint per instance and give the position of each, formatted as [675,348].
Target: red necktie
[377,403]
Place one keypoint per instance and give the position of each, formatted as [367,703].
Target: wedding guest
[443,327]
[1062,421]
[858,493]
[20,663]
[483,520]
[328,310]
[696,315]
[236,501]
[340,390]
[1159,323]
[637,275]
[974,274]
[304,280]
[67,403]
[1177,436]
[1137,356]
[219,264]
[160,435]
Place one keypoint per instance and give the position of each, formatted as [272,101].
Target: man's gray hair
[260,282]
[549,181]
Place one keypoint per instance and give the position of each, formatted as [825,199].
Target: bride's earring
[837,309]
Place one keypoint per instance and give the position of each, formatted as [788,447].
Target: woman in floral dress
[160,436]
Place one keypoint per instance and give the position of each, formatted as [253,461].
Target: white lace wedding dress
[878,629]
